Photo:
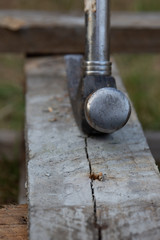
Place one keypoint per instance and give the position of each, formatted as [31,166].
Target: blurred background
[137,70]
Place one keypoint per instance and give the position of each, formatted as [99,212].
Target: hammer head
[107,110]
[97,105]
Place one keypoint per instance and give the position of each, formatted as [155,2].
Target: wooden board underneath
[13,222]
[39,32]
[121,200]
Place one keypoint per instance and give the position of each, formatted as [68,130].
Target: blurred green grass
[76,5]
[11,92]
[140,74]
[9,180]
[11,117]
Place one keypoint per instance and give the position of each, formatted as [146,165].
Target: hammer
[97,105]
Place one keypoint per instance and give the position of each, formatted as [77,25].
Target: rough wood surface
[13,222]
[46,32]
[120,199]
[59,194]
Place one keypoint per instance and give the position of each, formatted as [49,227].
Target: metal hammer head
[107,110]
[97,104]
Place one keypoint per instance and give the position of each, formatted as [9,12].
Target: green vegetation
[135,5]
[11,92]
[76,5]
[9,179]
[11,117]
[141,74]
[11,106]
[147,5]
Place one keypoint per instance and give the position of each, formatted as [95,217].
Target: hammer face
[80,87]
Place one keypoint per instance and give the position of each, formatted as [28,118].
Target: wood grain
[127,199]
[13,222]
[65,201]
[59,193]
[46,33]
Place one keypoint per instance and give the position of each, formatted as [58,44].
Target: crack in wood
[92,191]
[61,205]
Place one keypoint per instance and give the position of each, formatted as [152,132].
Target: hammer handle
[97,46]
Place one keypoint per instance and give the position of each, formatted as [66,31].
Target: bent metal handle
[106,109]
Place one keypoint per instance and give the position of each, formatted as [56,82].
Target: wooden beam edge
[46,32]
[13,222]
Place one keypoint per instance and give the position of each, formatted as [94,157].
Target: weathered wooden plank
[45,32]
[59,193]
[64,203]
[127,201]
[13,222]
